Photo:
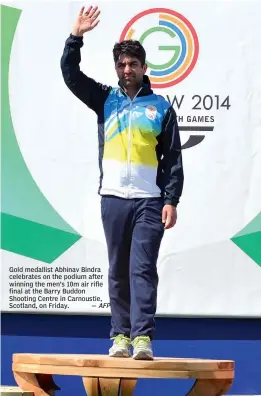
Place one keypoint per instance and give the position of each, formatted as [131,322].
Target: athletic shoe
[142,348]
[121,346]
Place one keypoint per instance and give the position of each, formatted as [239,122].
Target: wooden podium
[107,376]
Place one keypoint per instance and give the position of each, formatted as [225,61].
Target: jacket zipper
[129,141]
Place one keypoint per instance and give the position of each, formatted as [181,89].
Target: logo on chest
[151,112]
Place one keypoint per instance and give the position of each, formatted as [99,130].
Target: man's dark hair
[131,48]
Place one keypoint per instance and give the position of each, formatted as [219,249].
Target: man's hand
[86,21]
[169,216]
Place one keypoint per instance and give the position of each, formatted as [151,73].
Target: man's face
[130,71]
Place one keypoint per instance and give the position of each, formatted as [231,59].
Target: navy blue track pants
[133,231]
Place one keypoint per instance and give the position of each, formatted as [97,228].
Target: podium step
[14,391]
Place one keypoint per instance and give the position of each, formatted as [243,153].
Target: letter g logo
[184,51]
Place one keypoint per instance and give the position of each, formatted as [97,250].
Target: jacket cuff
[76,38]
[173,202]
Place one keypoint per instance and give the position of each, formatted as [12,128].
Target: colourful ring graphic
[185,55]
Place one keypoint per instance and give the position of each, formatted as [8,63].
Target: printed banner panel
[202,58]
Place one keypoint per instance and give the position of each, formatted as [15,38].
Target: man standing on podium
[141,181]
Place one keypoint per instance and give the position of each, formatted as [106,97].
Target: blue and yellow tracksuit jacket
[139,143]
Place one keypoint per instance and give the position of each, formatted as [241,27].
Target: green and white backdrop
[54,255]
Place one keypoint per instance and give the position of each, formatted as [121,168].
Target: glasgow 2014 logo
[179,54]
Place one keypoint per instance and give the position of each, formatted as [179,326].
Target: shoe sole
[142,356]
[119,354]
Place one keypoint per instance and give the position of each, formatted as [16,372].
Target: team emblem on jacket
[151,112]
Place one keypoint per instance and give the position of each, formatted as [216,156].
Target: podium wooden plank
[106,376]
[14,391]
[128,386]
[210,388]
[120,372]
[91,385]
[39,384]
[109,386]
[104,361]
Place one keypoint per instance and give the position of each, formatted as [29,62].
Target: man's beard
[130,83]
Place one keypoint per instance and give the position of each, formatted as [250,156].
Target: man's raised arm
[90,92]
